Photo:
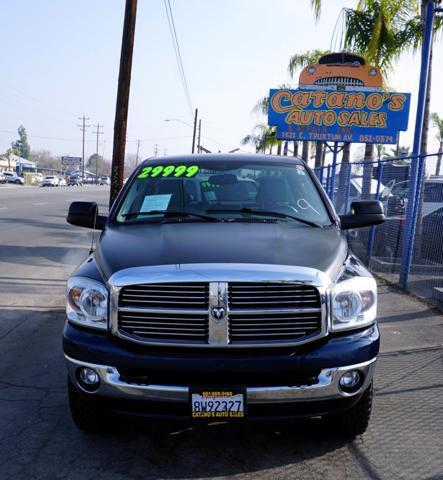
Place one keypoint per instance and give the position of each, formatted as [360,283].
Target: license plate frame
[229,408]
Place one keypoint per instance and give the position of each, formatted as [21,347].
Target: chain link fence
[382,247]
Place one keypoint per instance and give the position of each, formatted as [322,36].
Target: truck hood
[126,246]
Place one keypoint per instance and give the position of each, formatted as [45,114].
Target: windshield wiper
[172,214]
[253,211]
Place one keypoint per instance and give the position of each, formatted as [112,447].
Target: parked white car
[105,181]
[12,177]
[51,181]
[62,182]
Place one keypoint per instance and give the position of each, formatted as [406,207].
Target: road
[38,440]
[38,247]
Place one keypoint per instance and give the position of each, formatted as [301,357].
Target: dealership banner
[338,116]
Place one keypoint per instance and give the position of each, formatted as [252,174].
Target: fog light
[350,380]
[88,377]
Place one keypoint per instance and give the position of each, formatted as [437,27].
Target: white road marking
[3,208]
[41,203]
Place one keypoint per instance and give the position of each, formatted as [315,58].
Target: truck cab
[222,288]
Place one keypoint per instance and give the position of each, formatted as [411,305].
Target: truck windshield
[224,191]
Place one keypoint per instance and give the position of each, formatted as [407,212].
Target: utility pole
[97,132]
[138,148]
[199,136]
[83,128]
[195,130]
[121,110]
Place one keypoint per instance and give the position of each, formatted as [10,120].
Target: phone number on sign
[377,139]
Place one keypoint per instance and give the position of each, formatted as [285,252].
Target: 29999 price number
[168,171]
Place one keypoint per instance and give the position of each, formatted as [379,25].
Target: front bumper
[326,386]
[282,383]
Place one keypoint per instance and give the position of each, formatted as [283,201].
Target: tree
[380,31]
[21,145]
[262,137]
[44,159]
[9,154]
[383,29]
[97,164]
[437,122]
[381,150]
[301,60]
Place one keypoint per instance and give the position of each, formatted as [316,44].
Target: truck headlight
[354,303]
[87,302]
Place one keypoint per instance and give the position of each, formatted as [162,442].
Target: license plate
[217,404]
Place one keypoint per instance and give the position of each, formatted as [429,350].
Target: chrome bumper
[326,388]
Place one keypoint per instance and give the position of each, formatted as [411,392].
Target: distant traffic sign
[71,160]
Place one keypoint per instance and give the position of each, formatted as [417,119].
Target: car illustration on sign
[341,71]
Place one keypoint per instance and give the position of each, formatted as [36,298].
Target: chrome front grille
[229,314]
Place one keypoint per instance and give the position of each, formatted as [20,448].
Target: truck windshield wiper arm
[172,214]
[253,211]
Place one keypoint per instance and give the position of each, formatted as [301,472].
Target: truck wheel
[354,421]
[86,411]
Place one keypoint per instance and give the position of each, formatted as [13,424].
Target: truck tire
[86,411]
[354,421]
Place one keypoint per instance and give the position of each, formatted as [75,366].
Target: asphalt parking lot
[39,441]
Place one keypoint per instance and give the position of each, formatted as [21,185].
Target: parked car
[105,181]
[355,191]
[12,177]
[432,234]
[75,180]
[2,178]
[50,181]
[432,196]
[206,300]
[62,182]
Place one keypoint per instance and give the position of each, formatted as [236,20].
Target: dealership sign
[338,116]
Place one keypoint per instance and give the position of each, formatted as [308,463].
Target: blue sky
[60,60]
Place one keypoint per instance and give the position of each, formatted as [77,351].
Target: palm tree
[262,137]
[301,60]
[437,122]
[380,30]
[381,150]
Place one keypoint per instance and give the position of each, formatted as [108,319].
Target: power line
[83,128]
[66,139]
[97,132]
[178,56]
[138,148]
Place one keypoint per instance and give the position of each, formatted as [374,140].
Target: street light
[177,120]
[188,125]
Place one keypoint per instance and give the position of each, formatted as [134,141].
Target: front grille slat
[273,312]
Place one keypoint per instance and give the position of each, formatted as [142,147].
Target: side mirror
[85,214]
[363,214]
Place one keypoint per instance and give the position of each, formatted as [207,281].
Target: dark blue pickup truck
[222,288]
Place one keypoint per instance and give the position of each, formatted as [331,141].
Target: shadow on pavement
[34,255]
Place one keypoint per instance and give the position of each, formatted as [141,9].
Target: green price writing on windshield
[169,171]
